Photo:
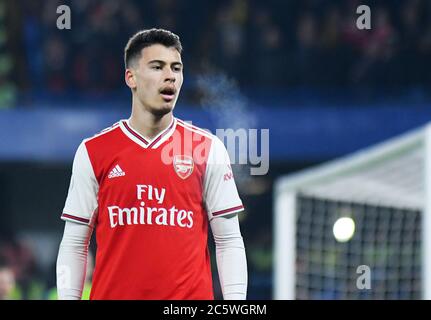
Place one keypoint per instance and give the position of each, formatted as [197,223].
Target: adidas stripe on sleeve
[220,192]
[81,201]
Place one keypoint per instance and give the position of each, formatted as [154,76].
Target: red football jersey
[150,203]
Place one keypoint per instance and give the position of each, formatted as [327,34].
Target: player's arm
[79,214]
[223,203]
[230,257]
[72,260]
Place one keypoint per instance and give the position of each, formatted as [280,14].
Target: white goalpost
[371,208]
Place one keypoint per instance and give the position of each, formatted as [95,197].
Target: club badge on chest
[183,166]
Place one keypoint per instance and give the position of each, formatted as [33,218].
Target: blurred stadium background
[302,69]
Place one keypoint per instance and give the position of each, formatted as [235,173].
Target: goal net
[357,227]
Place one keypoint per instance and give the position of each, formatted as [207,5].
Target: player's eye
[156,67]
[177,69]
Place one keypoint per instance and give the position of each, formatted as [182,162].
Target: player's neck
[149,125]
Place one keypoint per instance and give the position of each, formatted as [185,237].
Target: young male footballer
[149,186]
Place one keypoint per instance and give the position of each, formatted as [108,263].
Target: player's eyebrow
[176,63]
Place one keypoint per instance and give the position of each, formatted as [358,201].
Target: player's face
[159,77]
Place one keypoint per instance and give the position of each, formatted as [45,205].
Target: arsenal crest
[183,166]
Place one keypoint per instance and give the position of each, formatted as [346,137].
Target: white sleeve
[72,260]
[230,257]
[220,192]
[81,201]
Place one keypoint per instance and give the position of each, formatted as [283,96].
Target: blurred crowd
[23,278]
[20,278]
[259,44]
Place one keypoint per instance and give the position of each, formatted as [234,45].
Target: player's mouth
[168,93]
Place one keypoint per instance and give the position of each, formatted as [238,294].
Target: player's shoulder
[188,126]
[104,135]
[215,142]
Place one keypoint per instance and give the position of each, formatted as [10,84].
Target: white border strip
[426,220]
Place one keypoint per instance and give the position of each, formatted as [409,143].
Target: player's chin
[163,109]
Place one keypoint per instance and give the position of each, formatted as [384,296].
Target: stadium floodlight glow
[343,229]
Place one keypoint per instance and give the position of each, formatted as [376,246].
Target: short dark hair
[146,38]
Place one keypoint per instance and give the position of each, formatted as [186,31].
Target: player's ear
[129,77]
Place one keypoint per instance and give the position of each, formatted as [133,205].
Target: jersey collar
[143,141]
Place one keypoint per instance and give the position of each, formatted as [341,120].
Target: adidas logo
[116,172]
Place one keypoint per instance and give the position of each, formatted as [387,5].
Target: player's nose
[169,75]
